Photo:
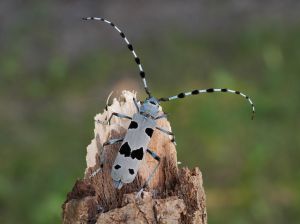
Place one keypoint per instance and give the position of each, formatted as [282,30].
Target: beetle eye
[152,102]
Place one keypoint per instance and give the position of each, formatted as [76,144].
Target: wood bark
[175,195]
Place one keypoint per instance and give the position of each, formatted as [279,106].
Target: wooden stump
[173,196]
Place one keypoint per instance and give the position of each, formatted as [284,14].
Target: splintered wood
[173,195]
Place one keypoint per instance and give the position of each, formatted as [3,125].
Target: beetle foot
[139,194]
[102,122]
[99,170]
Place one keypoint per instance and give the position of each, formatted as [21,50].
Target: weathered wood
[173,196]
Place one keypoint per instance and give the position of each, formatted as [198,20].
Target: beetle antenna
[130,47]
[210,90]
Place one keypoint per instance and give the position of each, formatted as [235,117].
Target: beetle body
[133,149]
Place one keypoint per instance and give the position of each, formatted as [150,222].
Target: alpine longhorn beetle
[134,145]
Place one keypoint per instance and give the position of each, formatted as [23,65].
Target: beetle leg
[111,116]
[168,133]
[112,141]
[102,158]
[161,116]
[157,158]
[109,142]
[136,105]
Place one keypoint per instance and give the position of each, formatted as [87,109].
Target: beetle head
[150,107]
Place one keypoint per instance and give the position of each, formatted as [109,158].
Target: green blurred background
[56,72]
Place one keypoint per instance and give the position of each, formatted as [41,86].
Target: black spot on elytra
[133,125]
[138,154]
[117,166]
[125,150]
[149,132]
[131,171]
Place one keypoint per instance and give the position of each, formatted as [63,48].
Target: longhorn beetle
[134,145]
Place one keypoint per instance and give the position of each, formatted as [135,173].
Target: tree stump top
[173,196]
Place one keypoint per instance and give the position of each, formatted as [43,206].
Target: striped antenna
[130,47]
[211,90]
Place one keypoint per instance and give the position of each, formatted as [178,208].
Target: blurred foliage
[250,168]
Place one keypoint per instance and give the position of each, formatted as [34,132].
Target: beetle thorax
[150,108]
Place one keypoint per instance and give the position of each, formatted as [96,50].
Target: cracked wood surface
[173,196]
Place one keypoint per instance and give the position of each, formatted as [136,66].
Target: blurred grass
[250,168]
